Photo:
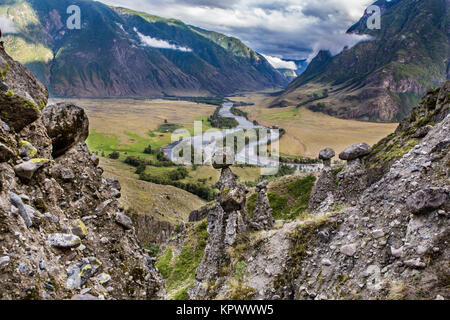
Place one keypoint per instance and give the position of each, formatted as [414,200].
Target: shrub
[114,155]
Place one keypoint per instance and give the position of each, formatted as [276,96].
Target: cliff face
[366,235]
[63,233]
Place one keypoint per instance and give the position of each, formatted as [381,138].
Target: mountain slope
[120,52]
[381,79]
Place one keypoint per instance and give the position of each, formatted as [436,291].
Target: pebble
[4,262]
[63,241]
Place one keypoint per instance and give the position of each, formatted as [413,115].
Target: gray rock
[124,220]
[103,278]
[349,249]
[378,233]
[27,150]
[262,185]
[66,124]
[4,262]
[23,268]
[26,170]
[415,263]
[22,96]
[355,151]
[63,241]
[326,262]
[422,132]
[326,154]
[262,214]
[398,253]
[18,203]
[427,200]
[67,174]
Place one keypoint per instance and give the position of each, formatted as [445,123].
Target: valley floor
[309,132]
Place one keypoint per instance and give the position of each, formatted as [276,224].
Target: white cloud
[336,43]
[6,25]
[157,43]
[278,63]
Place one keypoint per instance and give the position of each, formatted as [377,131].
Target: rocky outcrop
[22,96]
[59,232]
[325,186]
[66,124]
[227,222]
[262,215]
[353,179]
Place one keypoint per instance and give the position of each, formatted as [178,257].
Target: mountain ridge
[109,56]
[383,78]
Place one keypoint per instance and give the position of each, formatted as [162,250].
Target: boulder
[262,185]
[124,220]
[422,132]
[326,154]
[355,151]
[223,158]
[427,200]
[26,170]
[66,124]
[63,241]
[22,96]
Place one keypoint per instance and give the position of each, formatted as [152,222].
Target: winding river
[211,141]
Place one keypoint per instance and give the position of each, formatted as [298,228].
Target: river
[212,141]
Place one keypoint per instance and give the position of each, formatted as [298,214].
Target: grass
[179,270]
[294,202]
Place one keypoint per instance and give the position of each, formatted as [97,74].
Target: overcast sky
[281,28]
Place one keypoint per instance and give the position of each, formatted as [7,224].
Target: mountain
[383,78]
[124,53]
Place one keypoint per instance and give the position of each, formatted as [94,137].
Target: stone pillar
[323,191]
[227,221]
[353,179]
[262,215]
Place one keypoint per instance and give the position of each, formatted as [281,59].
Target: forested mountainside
[124,53]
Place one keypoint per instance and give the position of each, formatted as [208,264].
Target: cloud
[148,41]
[336,43]
[278,63]
[291,29]
[7,26]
